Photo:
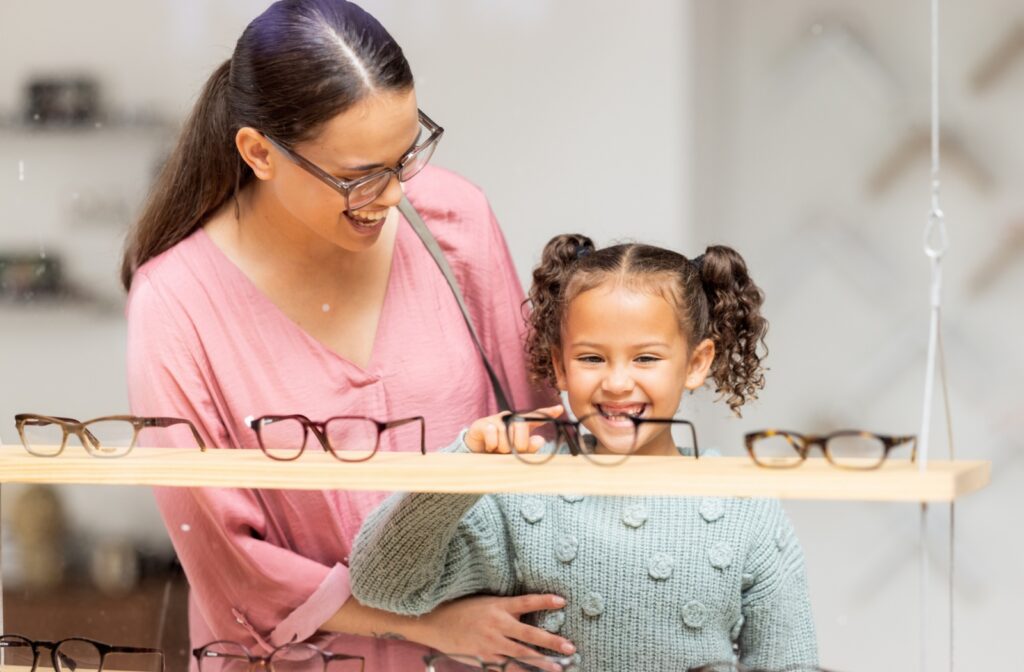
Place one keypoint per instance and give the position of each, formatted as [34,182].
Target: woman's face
[373,134]
[623,353]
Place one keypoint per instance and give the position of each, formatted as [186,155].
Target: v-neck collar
[370,372]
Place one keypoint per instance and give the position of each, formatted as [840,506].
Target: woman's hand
[488,435]
[489,627]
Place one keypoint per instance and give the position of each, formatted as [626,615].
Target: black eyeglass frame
[575,447]
[319,429]
[201,654]
[345,187]
[103,648]
[802,444]
[567,663]
[88,440]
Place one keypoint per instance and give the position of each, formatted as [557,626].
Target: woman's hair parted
[713,295]
[296,66]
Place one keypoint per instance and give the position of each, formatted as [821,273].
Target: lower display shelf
[896,480]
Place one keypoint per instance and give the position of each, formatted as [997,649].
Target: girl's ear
[255,151]
[559,367]
[700,363]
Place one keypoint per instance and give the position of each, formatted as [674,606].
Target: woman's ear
[700,364]
[559,367]
[255,151]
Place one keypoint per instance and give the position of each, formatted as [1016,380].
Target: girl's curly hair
[713,295]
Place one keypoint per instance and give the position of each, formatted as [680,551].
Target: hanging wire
[936,242]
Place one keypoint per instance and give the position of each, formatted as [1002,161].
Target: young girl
[650,583]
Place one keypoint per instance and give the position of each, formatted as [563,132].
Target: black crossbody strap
[405,207]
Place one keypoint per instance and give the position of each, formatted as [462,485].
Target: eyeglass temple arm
[406,421]
[167,422]
[671,421]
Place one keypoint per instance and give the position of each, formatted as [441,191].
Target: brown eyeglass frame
[104,649]
[319,429]
[80,429]
[345,187]
[807,441]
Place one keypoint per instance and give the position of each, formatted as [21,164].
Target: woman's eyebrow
[370,166]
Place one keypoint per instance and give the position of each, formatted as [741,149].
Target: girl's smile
[625,357]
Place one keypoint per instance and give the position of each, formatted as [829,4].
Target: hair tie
[582,251]
[698,261]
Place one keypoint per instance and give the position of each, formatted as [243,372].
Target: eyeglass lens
[105,438]
[365,192]
[851,451]
[348,438]
[16,651]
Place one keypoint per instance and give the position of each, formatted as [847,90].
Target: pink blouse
[269,566]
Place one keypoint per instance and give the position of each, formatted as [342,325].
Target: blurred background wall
[778,128]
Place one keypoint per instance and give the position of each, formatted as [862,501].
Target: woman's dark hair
[297,65]
[713,295]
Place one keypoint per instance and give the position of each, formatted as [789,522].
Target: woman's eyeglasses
[349,438]
[620,440]
[364,190]
[459,663]
[847,449]
[226,656]
[109,436]
[71,654]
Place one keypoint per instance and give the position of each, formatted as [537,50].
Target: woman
[270,273]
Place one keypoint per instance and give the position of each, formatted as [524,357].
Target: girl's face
[373,134]
[624,354]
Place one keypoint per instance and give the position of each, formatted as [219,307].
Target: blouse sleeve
[778,626]
[247,590]
[417,550]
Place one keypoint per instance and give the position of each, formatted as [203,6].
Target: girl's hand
[489,627]
[488,435]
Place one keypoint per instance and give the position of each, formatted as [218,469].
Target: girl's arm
[417,550]
[778,626]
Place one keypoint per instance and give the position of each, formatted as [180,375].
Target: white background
[676,122]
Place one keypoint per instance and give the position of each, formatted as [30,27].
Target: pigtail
[560,256]
[735,325]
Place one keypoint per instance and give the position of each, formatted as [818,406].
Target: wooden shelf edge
[896,481]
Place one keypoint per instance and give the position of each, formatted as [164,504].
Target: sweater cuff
[459,445]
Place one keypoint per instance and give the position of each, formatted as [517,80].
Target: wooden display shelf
[896,481]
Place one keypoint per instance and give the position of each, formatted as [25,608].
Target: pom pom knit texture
[651,583]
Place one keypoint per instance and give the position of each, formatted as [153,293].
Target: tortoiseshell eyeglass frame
[88,440]
[802,444]
[319,430]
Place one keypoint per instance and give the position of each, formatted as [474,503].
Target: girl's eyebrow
[640,346]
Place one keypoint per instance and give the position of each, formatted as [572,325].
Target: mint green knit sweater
[651,583]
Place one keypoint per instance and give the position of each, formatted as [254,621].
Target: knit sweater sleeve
[417,550]
[778,626]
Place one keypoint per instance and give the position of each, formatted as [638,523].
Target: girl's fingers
[490,438]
